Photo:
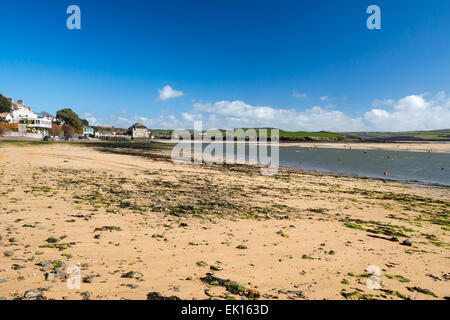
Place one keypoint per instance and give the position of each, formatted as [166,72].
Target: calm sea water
[428,167]
[399,165]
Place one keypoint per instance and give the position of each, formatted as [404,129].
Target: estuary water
[377,163]
[429,167]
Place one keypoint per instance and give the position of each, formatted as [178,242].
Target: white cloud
[124,119]
[385,102]
[90,118]
[167,93]
[414,112]
[235,114]
[296,94]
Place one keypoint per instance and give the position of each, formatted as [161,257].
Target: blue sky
[298,65]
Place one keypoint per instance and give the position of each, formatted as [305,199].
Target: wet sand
[393,146]
[294,235]
[428,146]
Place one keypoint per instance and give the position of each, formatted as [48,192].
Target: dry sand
[307,235]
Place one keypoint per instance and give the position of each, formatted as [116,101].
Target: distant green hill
[303,134]
[299,134]
[284,135]
[433,135]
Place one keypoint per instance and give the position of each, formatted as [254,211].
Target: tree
[84,122]
[44,114]
[70,118]
[5,104]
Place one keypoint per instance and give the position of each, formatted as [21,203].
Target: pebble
[17,267]
[215,268]
[86,295]
[30,225]
[32,294]
[132,275]
[52,240]
[50,276]
[407,242]
[44,263]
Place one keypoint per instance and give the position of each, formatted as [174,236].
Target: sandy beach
[439,146]
[144,227]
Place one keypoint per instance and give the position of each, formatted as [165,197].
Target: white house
[21,114]
[40,123]
[88,131]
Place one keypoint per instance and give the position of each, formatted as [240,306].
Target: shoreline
[356,176]
[434,146]
[331,173]
[412,146]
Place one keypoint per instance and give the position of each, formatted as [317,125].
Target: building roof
[4,114]
[137,126]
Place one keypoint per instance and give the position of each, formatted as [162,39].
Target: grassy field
[20,143]
[434,135]
[289,135]
[302,134]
